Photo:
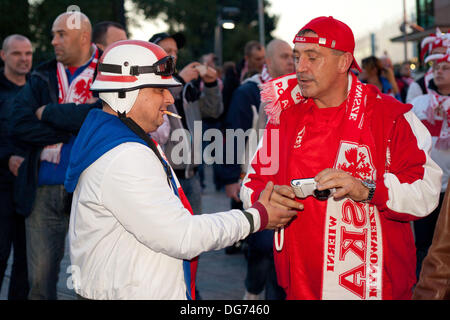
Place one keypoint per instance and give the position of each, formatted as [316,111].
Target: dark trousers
[424,231]
[261,272]
[46,230]
[12,235]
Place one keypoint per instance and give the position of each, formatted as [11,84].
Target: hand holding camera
[336,183]
[308,187]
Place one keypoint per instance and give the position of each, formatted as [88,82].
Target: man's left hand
[207,74]
[39,112]
[14,164]
[345,184]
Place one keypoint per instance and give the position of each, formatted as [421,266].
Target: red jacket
[380,241]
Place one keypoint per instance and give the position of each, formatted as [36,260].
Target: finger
[340,192]
[278,205]
[285,191]
[333,179]
[285,202]
[322,173]
[329,183]
[266,193]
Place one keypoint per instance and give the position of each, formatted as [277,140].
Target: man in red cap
[359,162]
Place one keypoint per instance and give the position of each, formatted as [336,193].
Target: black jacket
[59,122]
[8,91]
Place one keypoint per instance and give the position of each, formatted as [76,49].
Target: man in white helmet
[132,232]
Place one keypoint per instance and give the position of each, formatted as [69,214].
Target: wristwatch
[371,185]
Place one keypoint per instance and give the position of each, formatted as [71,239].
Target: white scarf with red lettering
[352,257]
[353,242]
[77,92]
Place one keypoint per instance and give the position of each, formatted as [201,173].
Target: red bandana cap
[331,33]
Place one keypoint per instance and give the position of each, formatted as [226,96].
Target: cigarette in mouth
[172,114]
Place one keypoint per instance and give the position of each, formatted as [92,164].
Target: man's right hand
[280,208]
[189,72]
[14,164]
[284,197]
[232,191]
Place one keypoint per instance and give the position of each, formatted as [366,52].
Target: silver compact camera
[308,187]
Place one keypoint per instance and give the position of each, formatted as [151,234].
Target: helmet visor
[164,67]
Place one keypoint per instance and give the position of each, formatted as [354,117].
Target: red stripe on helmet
[102,77]
[155,49]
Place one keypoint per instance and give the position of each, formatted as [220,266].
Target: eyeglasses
[164,67]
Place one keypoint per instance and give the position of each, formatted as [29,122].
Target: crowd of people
[90,148]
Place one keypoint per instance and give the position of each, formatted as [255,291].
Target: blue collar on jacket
[99,133]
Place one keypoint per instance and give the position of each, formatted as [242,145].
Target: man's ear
[86,37]
[100,46]
[2,54]
[345,61]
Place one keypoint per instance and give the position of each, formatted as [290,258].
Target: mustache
[304,77]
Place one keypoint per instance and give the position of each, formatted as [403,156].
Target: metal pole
[218,40]
[261,22]
[405,41]
[372,43]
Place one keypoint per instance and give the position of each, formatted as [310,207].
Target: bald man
[243,114]
[45,119]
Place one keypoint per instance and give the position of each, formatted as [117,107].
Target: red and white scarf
[77,92]
[439,109]
[265,76]
[439,106]
[280,94]
[353,229]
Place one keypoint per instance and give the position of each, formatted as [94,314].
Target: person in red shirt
[367,149]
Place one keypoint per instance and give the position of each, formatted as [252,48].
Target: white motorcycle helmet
[129,65]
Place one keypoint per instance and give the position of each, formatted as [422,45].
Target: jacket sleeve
[68,116]
[239,119]
[136,192]
[414,90]
[25,126]
[263,167]
[6,151]
[411,187]
[210,102]
[434,280]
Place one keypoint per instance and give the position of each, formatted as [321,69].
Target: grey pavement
[219,276]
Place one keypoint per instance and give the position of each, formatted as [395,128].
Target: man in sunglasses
[132,231]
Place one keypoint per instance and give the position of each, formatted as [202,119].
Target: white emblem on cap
[322,40]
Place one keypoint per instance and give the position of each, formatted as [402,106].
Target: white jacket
[441,157]
[129,232]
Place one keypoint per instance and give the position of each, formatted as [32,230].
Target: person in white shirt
[433,109]
[132,232]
